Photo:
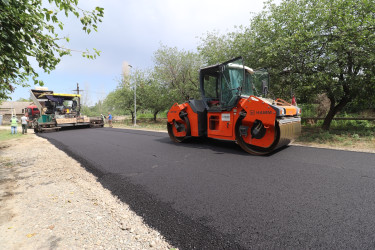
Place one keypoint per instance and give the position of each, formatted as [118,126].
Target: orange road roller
[235,107]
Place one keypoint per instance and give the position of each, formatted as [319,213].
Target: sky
[131,31]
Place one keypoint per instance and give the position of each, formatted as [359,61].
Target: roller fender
[175,111]
[259,115]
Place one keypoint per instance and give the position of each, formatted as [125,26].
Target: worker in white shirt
[24,121]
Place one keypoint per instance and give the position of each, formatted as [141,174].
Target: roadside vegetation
[145,120]
[143,123]
[353,134]
[6,135]
[358,135]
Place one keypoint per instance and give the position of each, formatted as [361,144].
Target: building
[7,109]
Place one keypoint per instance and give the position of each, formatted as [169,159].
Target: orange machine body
[221,125]
[259,125]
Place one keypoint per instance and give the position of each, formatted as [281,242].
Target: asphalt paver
[208,194]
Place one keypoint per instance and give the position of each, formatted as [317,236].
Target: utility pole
[126,72]
[135,103]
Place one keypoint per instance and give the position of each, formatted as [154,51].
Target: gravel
[49,201]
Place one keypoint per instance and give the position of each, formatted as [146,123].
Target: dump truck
[31,112]
[59,111]
[235,106]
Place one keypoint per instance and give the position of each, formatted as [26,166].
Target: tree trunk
[155,114]
[333,110]
[132,114]
[328,119]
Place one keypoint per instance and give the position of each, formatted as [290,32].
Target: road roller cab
[235,107]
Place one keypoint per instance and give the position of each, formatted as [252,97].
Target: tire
[37,129]
[251,149]
[171,131]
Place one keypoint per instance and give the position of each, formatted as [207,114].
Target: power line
[77,90]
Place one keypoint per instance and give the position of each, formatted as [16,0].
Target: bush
[308,110]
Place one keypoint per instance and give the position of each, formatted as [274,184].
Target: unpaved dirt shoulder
[354,148]
[48,200]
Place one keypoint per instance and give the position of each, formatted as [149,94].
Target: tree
[217,48]
[178,70]
[152,95]
[28,32]
[312,47]
[319,46]
[155,96]
[121,100]
[24,100]
[95,110]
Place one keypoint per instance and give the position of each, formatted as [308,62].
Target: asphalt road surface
[207,194]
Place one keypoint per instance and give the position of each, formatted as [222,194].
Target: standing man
[110,120]
[103,118]
[24,121]
[13,124]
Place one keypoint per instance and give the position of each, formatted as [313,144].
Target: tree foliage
[121,100]
[312,47]
[154,95]
[178,70]
[29,32]
[174,78]
[217,48]
[24,100]
[96,110]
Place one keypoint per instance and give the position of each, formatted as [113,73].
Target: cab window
[231,82]
[211,87]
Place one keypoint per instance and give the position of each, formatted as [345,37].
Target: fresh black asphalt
[207,194]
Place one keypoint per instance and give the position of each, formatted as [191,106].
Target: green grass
[308,110]
[160,115]
[351,134]
[145,123]
[6,135]
[345,124]
[361,128]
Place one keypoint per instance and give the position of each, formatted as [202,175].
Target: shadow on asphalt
[178,229]
[218,146]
